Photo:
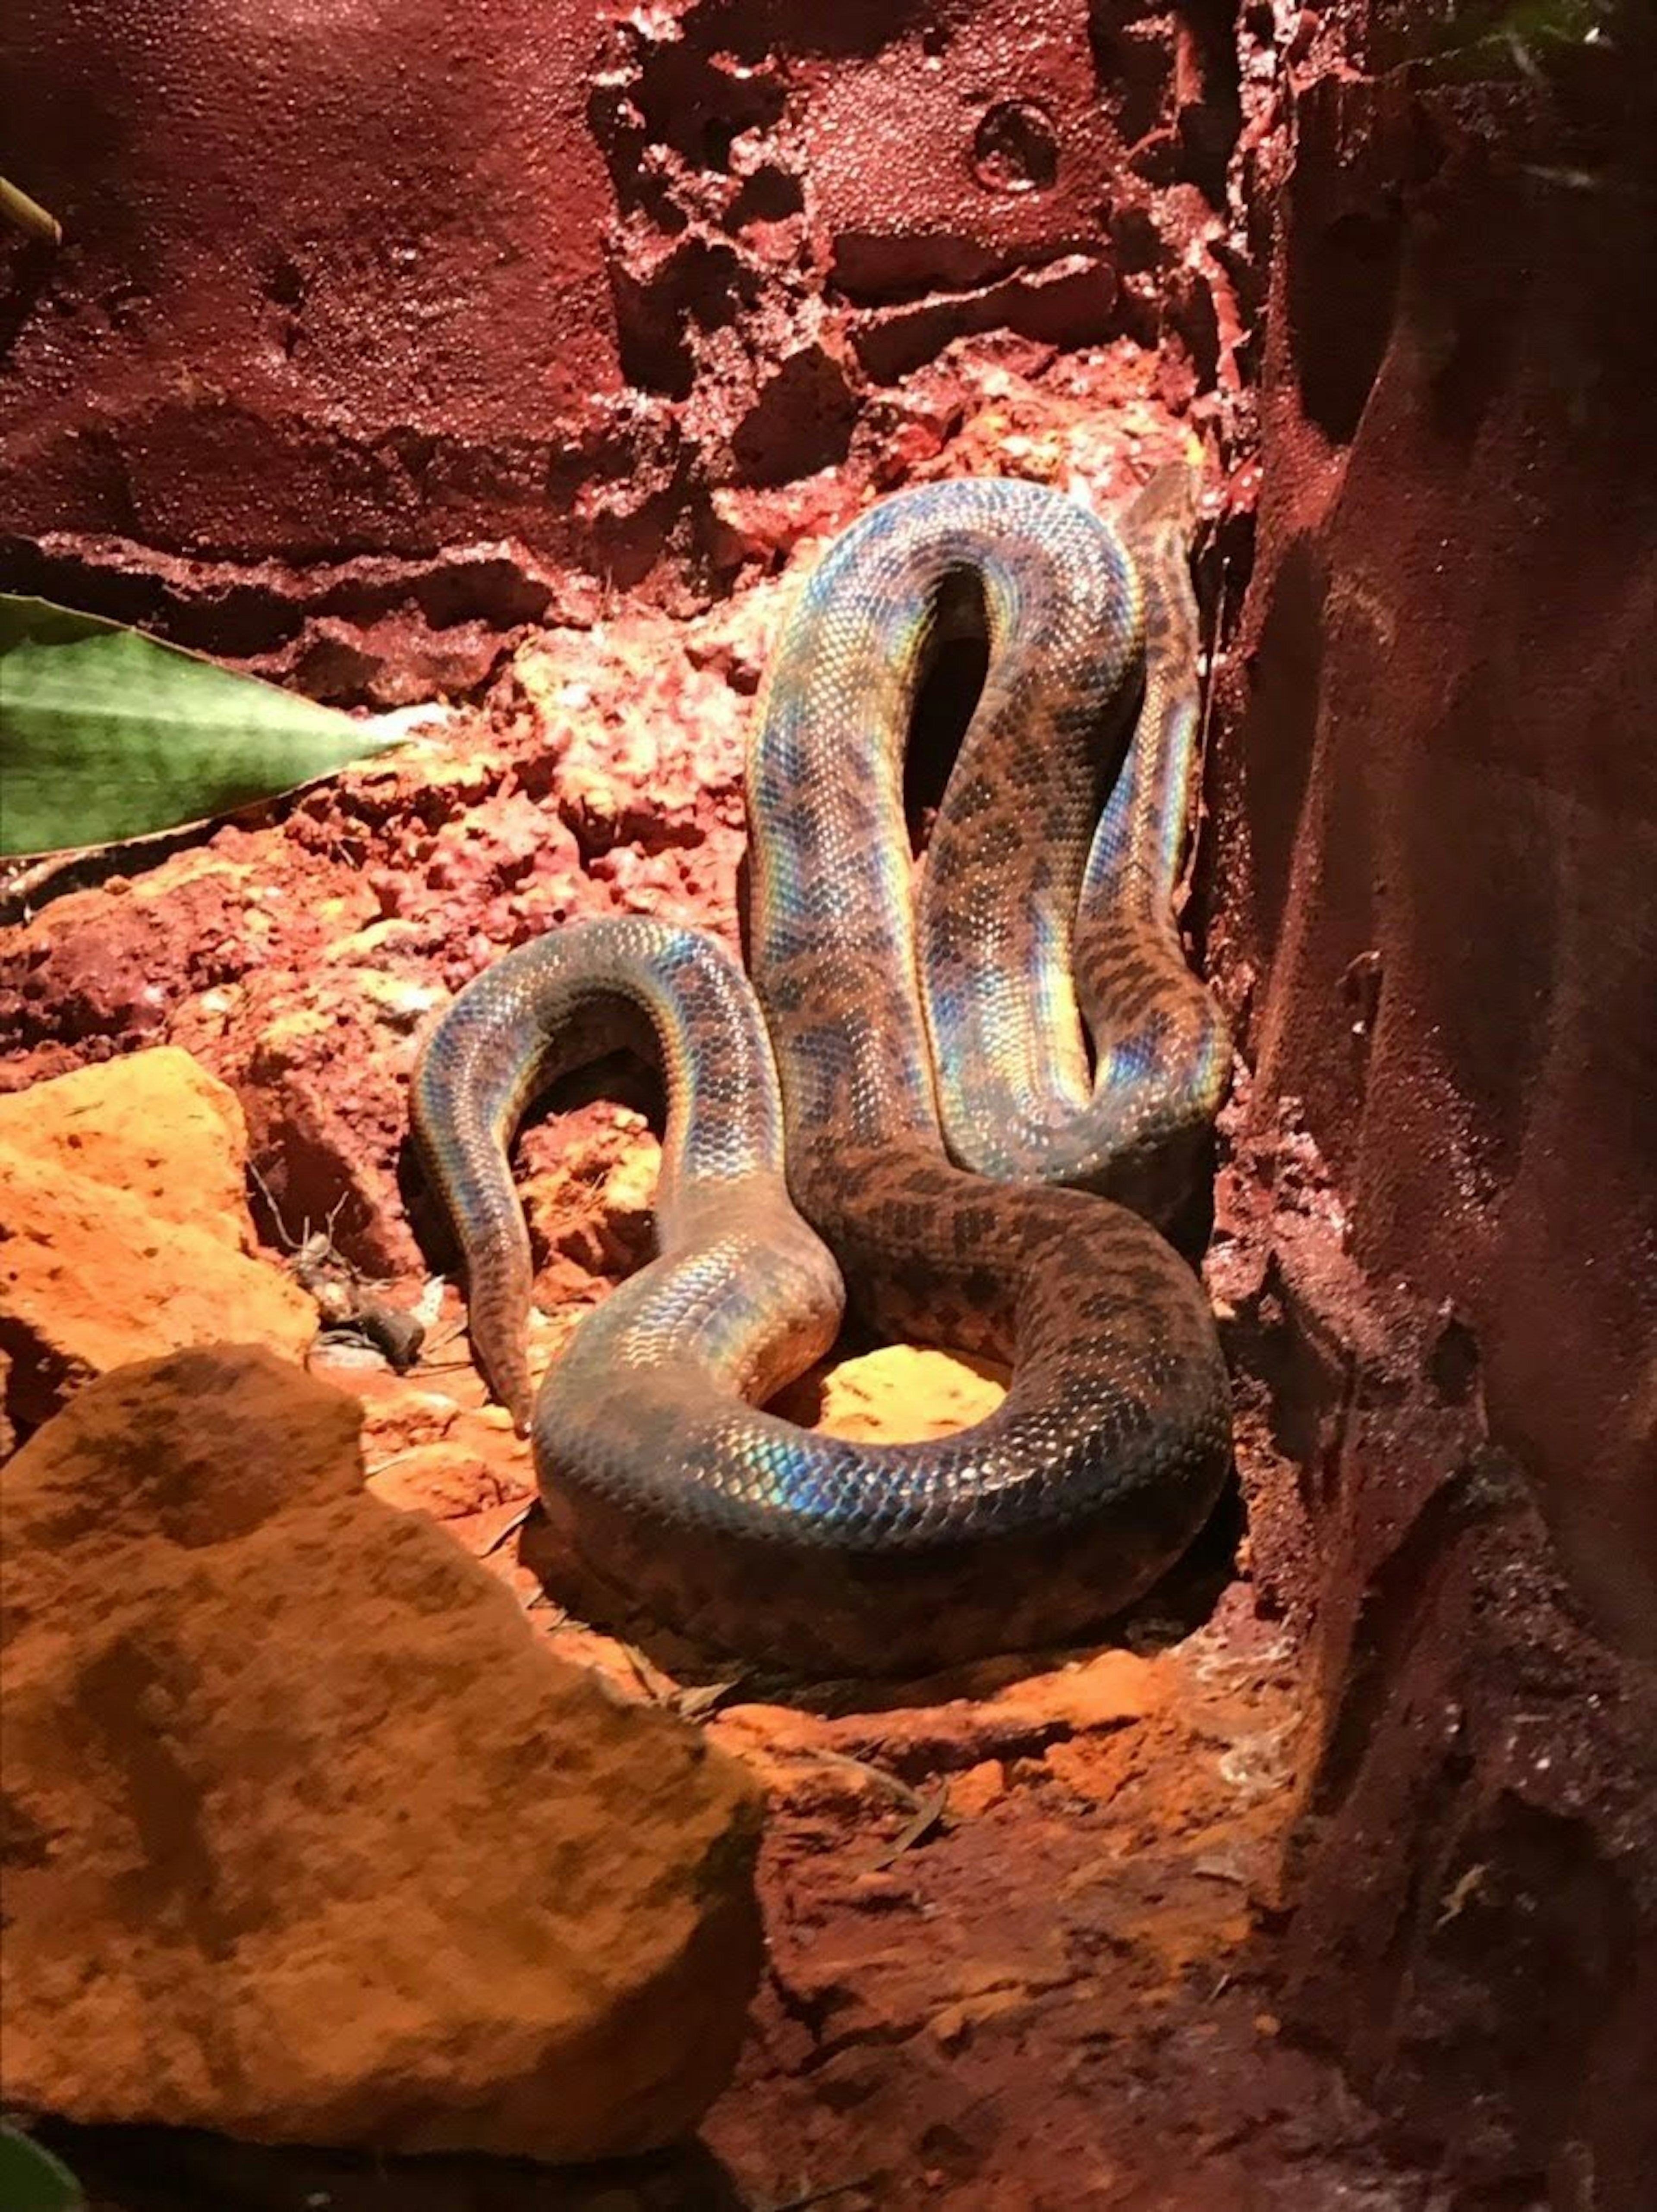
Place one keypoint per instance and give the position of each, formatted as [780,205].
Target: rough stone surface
[123,1227]
[358,400]
[1437,818]
[1474,1870]
[306,1839]
[1434,809]
[292,247]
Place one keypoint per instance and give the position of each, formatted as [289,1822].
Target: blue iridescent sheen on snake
[965,1102]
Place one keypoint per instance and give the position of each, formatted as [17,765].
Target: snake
[973,1103]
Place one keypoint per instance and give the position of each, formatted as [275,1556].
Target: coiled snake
[1028,1020]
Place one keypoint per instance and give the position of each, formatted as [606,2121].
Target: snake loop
[925,1077]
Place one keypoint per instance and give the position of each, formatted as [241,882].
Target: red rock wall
[1439,815]
[374,333]
[332,280]
[1435,801]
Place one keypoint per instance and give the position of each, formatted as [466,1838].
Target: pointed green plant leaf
[105,734]
[32,2180]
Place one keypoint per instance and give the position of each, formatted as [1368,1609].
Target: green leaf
[105,734]
[1475,41]
[32,2180]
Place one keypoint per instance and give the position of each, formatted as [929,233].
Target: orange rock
[308,1836]
[978,1788]
[127,1231]
[155,1125]
[593,1207]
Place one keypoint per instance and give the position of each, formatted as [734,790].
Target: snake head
[1164,511]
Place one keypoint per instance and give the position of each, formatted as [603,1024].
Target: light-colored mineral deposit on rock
[307,1837]
[124,1202]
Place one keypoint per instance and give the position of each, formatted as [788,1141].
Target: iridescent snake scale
[946,1061]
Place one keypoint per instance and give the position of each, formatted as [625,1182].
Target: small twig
[909,1799]
[510,1528]
[450,1335]
[289,1242]
[830,2188]
[370,1473]
[920,1825]
[642,1674]
[704,1698]
[28,216]
[1200,778]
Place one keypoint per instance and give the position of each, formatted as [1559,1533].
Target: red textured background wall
[1439,813]
[535,285]
[333,278]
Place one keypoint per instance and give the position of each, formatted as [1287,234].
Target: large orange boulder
[306,1836]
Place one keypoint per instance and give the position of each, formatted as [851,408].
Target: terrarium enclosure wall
[513,359]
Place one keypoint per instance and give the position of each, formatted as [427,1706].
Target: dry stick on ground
[703,1699]
[822,2195]
[28,216]
[934,1812]
[371,1473]
[925,1813]
[1198,808]
[452,1334]
[346,1300]
[510,1528]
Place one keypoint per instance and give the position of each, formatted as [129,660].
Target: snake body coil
[945,1064]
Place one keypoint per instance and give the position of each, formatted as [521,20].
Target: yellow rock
[901,1394]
